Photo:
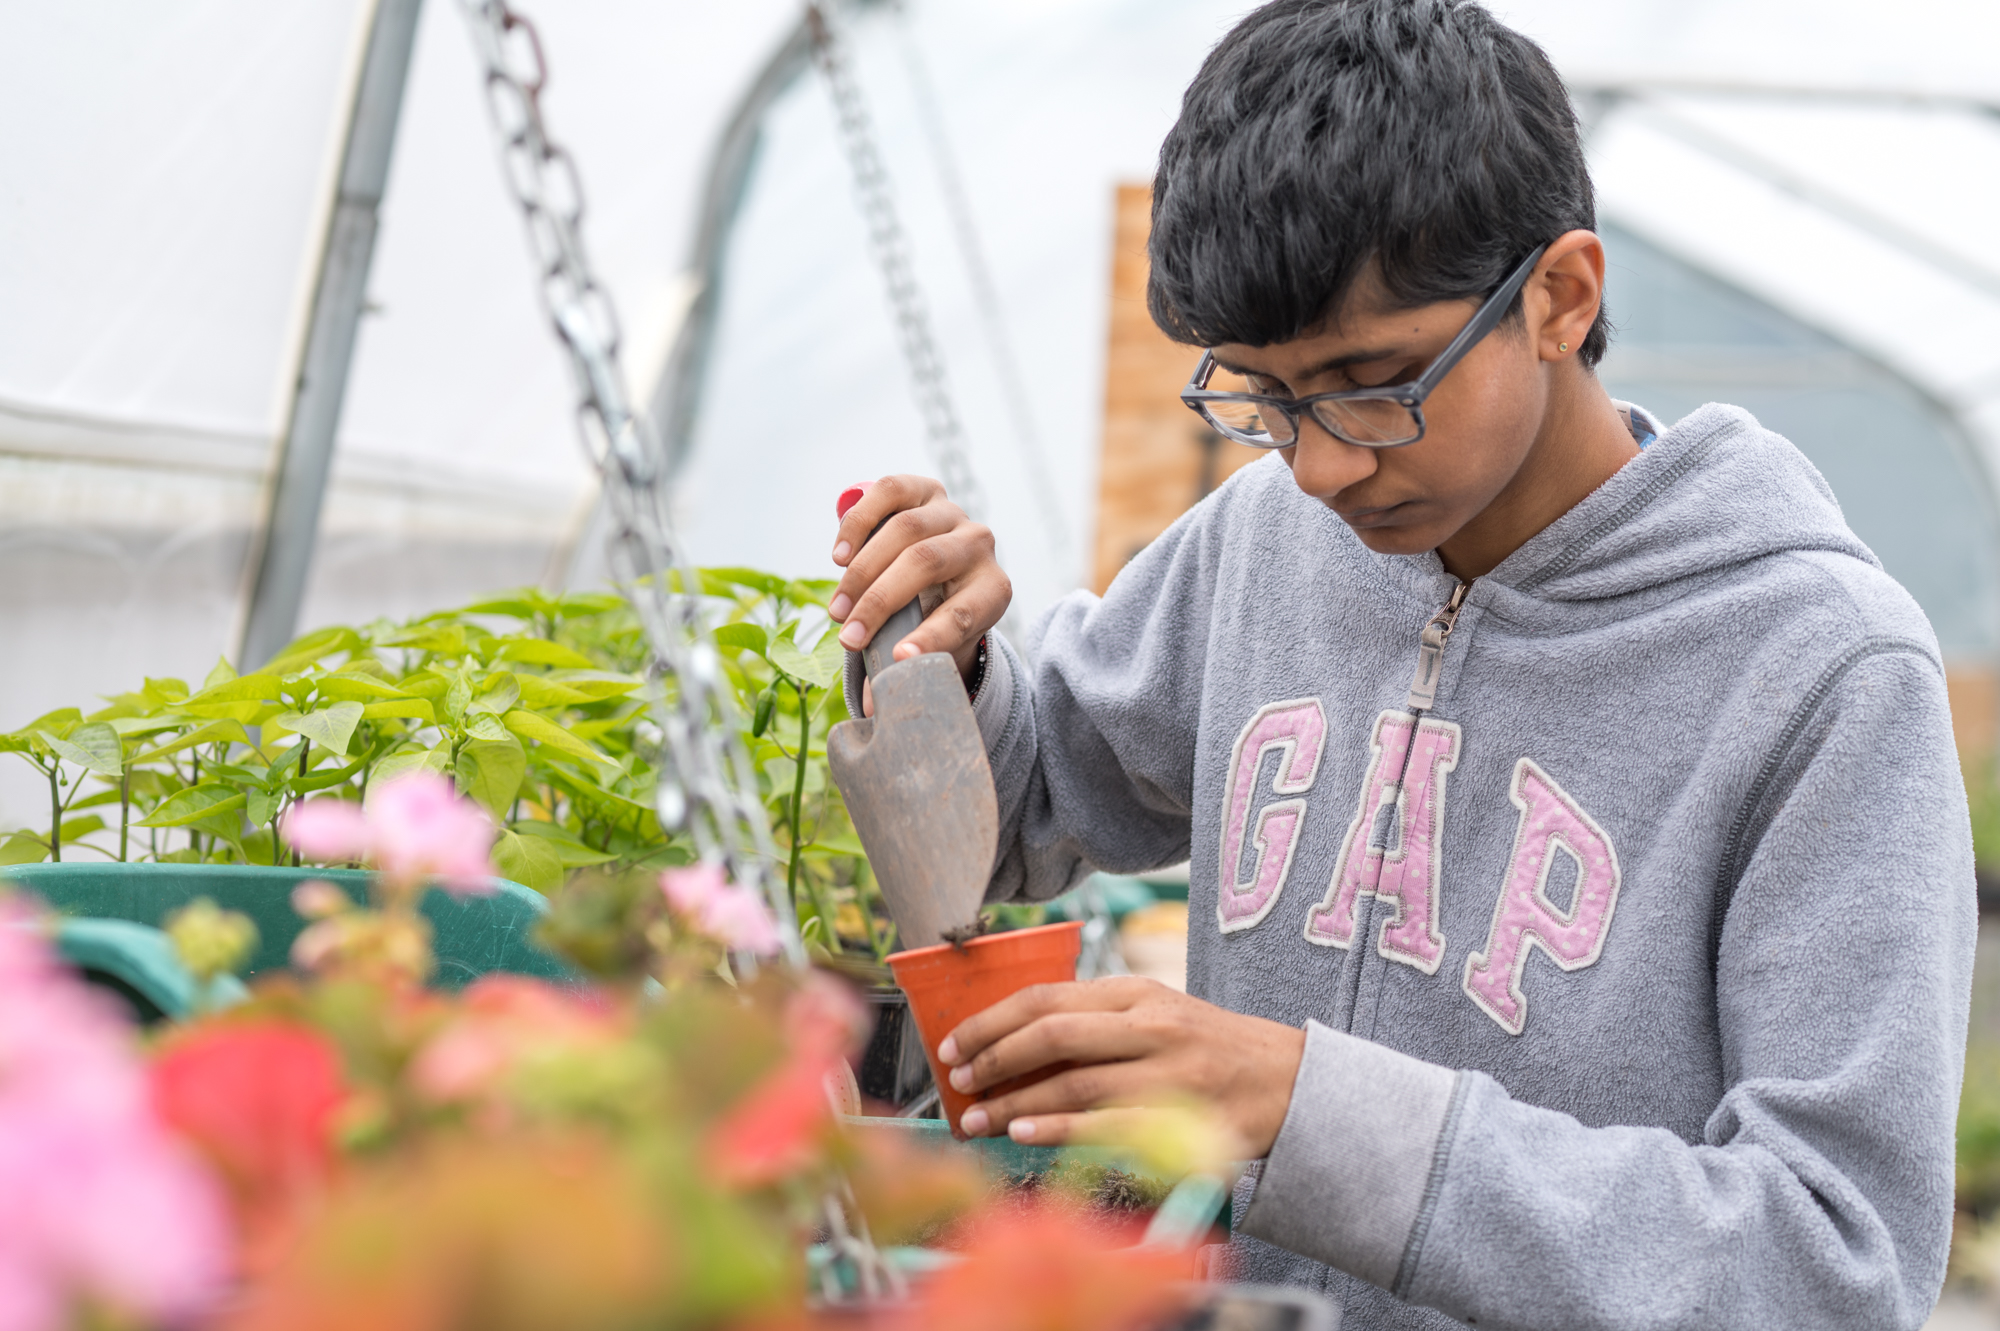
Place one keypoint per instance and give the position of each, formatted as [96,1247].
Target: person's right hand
[929,541]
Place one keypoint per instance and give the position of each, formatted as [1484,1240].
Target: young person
[1581,903]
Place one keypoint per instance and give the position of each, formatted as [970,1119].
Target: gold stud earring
[1562,347]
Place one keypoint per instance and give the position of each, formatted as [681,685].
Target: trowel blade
[920,792]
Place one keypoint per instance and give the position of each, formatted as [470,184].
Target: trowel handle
[877,655]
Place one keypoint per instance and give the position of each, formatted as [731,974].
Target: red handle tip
[849,498]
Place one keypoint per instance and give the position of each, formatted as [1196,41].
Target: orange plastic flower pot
[951,982]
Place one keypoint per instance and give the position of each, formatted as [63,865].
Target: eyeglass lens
[1247,422]
[1375,422]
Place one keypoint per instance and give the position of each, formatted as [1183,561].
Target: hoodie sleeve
[1820,1194]
[1093,747]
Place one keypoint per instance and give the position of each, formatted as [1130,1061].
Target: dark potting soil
[1093,1190]
[1102,1189]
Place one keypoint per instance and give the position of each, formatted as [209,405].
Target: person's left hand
[1137,1043]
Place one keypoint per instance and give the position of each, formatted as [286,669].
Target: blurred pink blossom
[317,899]
[100,1200]
[731,915]
[412,828]
[825,1018]
[500,1020]
[327,829]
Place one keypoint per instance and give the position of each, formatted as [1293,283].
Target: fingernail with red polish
[973,1121]
[841,605]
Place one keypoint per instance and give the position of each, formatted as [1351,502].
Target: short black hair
[1423,136]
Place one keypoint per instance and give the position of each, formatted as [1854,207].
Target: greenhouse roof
[173,166]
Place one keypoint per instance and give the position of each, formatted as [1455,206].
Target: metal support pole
[284,548]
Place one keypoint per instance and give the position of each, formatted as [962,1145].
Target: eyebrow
[1361,357]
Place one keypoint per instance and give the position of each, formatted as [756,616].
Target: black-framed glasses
[1386,417]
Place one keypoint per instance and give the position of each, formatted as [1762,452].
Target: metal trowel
[918,787]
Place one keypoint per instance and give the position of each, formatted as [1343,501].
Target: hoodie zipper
[1423,690]
[1430,651]
[1423,696]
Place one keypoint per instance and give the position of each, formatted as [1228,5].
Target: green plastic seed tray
[471,935]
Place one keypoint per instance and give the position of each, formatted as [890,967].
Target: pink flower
[825,1019]
[503,1020]
[731,915]
[412,828]
[327,829]
[500,1020]
[101,1201]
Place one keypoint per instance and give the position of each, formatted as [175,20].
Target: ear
[1563,296]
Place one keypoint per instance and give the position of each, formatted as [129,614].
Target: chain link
[890,247]
[706,786]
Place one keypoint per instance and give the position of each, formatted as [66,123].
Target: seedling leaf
[544,731]
[539,651]
[330,727]
[529,861]
[202,801]
[94,746]
[491,772]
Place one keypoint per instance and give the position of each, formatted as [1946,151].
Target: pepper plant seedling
[537,706]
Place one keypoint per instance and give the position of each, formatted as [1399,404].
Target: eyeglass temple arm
[1483,322]
[1203,369]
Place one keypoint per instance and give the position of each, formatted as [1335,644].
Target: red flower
[779,1128]
[1047,1268]
[258,1098]
[783,1123]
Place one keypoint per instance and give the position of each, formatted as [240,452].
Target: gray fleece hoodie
[1633,942]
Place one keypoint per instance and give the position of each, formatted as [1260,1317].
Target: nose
[1323,466]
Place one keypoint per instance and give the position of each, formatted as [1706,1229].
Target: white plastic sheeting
[1912,277]
[166,183]
[167,178]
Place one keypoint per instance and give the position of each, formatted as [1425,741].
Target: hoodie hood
[1715,491]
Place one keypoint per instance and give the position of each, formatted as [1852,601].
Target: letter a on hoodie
[1393,846]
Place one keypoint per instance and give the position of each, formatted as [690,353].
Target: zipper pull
[1430,651]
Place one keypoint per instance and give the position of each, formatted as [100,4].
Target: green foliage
[537,707]
[1979,1131]
[785,663]
[1982,791]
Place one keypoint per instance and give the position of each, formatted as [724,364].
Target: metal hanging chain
[890,246]
[705,781]
[706,785]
